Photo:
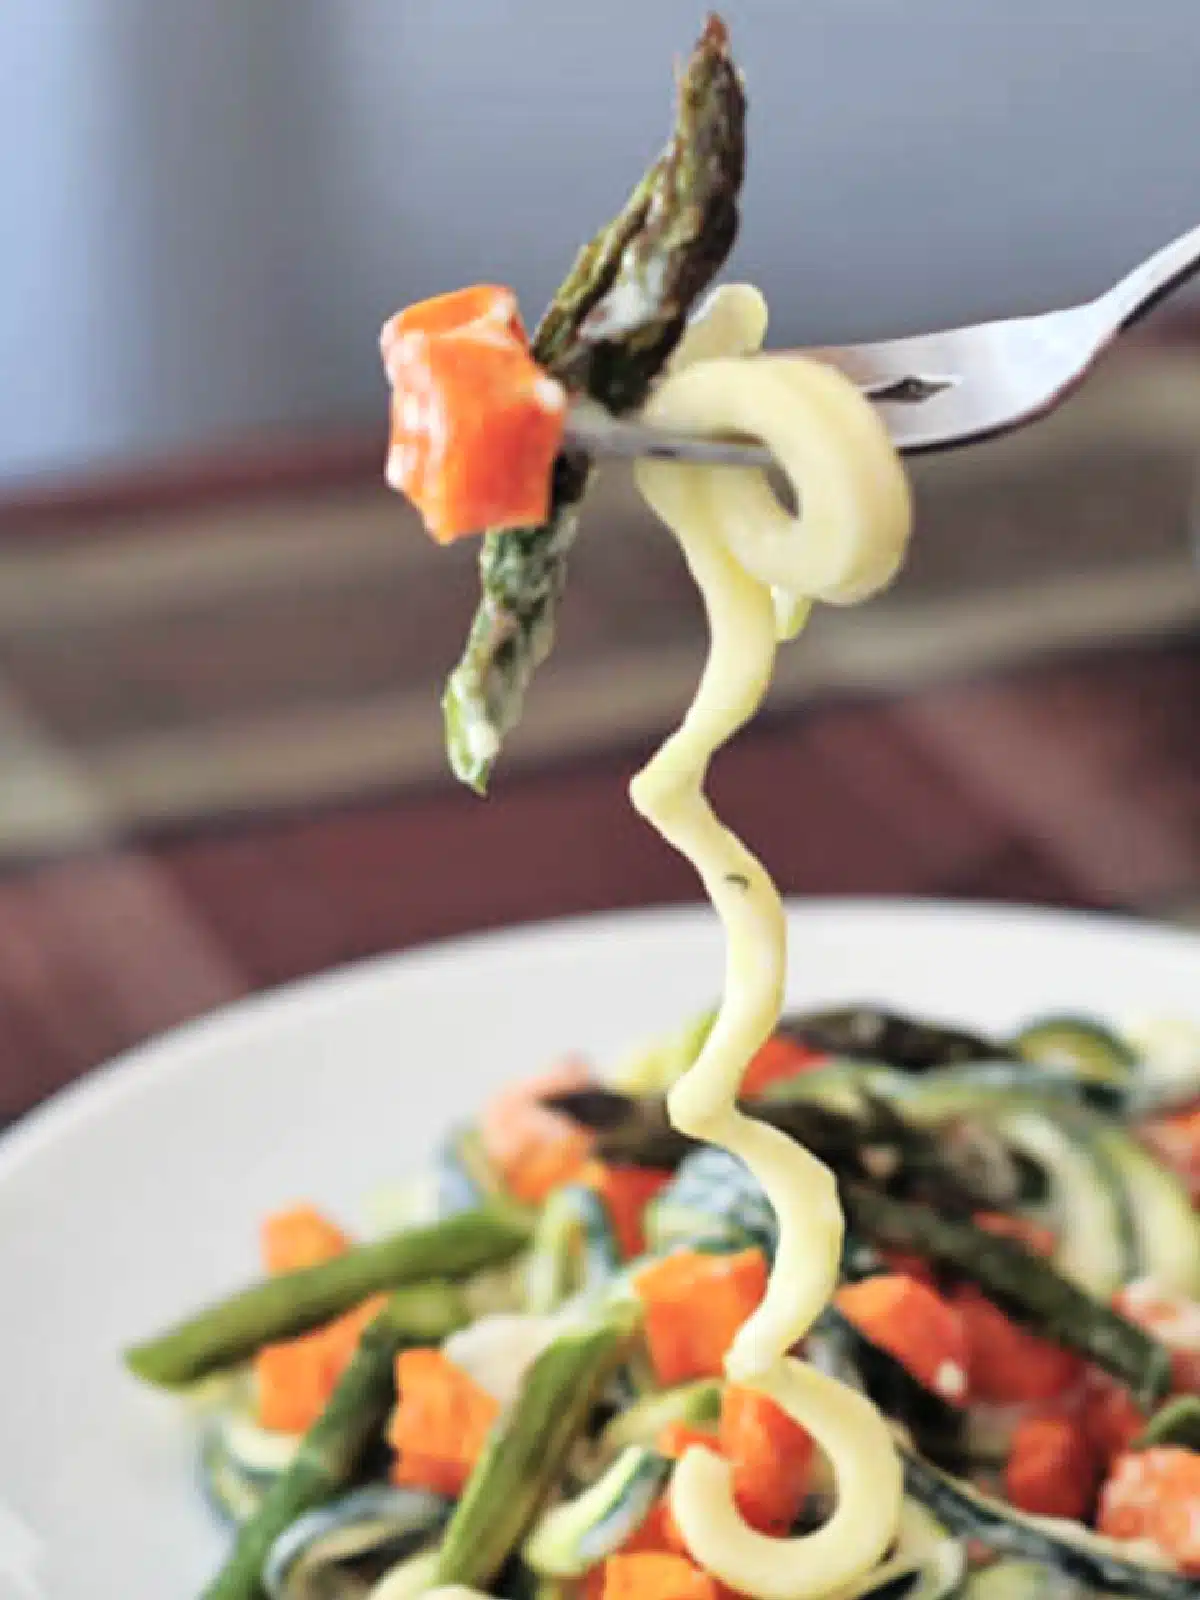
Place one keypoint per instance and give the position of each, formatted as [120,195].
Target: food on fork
[607,335]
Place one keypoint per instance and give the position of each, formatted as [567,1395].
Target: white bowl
[135,1196]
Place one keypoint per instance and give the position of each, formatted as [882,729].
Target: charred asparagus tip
[716,34]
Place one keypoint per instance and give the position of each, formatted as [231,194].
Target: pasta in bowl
[499,1383]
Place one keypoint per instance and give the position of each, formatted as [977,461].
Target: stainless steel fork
[938,390]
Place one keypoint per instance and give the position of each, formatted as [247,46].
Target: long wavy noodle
[755,563]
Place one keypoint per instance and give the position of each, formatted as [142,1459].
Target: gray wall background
[210,205]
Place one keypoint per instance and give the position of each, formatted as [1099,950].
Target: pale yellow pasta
[412,1580]
[755,564]
[828,1562]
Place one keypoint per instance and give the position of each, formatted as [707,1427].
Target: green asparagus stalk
[528,1448]
[870,1033]
[334,1447]
[608,332]
[293,1302]
[876,1139]
[637,1131]
[1178,1423]
[1022,1284]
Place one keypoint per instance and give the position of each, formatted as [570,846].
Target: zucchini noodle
[758,567]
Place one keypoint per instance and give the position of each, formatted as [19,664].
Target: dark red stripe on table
[1074,783]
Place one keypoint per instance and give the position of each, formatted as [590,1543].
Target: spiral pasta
[757,568]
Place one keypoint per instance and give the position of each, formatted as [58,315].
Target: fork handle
[1142,289]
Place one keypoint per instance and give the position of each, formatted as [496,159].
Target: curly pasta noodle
[754,564]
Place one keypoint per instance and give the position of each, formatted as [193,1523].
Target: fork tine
[939,390]
[878,368]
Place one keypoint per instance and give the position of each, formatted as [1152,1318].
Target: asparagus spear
[875,1142]
[528,1449]
[332,1450]
[292,1302]
[878,1035]
[1020,1283]
[1178,1423]
[608,332]
[637,1132]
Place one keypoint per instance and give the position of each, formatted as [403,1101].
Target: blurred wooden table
[1075,782]
[220,754]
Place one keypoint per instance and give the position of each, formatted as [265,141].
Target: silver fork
[937,390]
